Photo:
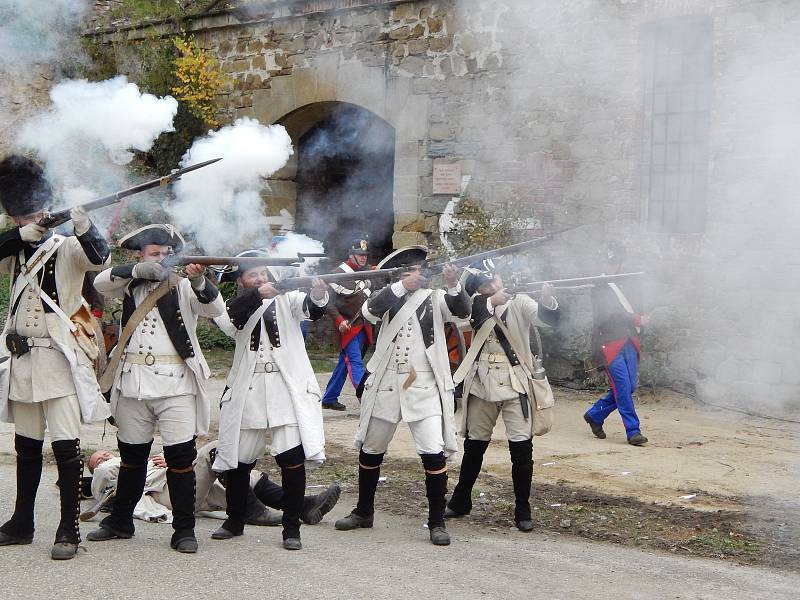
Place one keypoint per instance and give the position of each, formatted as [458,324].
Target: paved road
[394,560]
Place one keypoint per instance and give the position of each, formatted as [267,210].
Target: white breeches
[62,416]
[176,417]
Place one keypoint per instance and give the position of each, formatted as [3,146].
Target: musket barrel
[57,218]
[465,261]
[243,262]
[293,283]
[535,286]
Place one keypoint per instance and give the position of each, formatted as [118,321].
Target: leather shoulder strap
[107,379]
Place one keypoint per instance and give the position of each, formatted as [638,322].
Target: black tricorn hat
[410,255]
[476,275]
[161,234]
[23,187]
[359,246]
[232,273]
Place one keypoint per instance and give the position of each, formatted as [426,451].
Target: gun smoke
[91,129]
[221,205]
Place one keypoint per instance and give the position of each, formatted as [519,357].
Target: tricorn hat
[232,273]
[23,187]
[359,246]
[410,255]
[160,234]
[477,274]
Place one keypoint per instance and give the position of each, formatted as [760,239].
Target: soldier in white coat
[495,385]
[46,374]
[272,390]
[410,381]
[160,379]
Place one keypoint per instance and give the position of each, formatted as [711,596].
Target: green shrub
[210,336]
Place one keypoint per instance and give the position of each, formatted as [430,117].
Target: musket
[54,219]
[302,256]
[465,261]
[243,262]
[294,283]
[536,286]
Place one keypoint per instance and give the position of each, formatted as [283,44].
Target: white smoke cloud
[87,134]
[221,204]
[112,117]
[32,31]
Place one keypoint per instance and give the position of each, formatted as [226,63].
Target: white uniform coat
[522,313]
[295,368]
[437,357]
[190,308]
[71,265]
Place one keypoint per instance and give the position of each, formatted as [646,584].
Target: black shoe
[449,513]
[292,544]
[439,536]
[321,504]
[63,551]
[597,429]
[224,534]
[105,533]
[11,540]
[525,525]
[184,542]
[334,405]
[637,439]
[354,521]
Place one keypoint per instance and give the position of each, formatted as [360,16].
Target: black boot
[521,477]
[461,501]
[256,513]
[316,507]
[70,469]
[293,482]
[130,485]
[268,492]
[19,529]
[436,490]
[237,488]
[181,483]
[362,516]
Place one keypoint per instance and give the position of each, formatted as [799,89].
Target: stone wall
[542,103]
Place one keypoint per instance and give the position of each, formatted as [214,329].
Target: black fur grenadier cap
[23,187]
[162,234]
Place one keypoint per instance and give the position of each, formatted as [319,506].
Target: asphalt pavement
[393,560]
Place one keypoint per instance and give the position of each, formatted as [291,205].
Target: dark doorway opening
[345,178]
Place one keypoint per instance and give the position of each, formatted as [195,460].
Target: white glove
[32,233]
[152,271]
[80,220]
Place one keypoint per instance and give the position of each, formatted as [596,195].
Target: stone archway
[339,184]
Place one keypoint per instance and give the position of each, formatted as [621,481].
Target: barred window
[677,98]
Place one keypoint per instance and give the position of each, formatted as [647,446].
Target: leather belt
[152,359]
[494,357]
[406,368]
[268,367]
[39,342]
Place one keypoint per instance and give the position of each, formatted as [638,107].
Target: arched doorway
[343,175]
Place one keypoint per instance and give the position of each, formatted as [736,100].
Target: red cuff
[339,320]
[97,313]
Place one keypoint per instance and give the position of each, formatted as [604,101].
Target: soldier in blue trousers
[353,333]
[616,348]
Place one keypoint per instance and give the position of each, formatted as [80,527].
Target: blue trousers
[350,361]
[622,373]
